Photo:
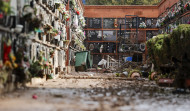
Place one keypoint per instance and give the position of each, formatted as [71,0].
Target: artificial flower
[68,19]
[142,25]
[78,13]
[7,50]
[13,57]
[8,64]
[15,65]
[1,15]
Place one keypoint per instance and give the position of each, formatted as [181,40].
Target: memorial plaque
[109,35]
[94,47]
[109,47]
[121,33]
[122,21]
[150,34]
[151,22]
[94,23]
[135,22]
[94,35]
[108,23]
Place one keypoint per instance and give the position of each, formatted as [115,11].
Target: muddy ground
[95,95]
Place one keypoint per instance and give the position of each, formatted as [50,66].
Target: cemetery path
[94,95]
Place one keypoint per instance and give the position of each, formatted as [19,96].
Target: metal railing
[112,64]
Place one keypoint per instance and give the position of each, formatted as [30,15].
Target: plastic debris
[34,96]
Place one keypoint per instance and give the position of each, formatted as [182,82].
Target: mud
[95,95]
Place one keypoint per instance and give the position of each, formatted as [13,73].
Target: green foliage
[118,74]
[5,7]
[3,76]
[156,46]
[122,2]
[36,68]
[163,76]
[149,75]
[180,40]
[172,49]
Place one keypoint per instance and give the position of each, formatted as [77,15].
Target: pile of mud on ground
[95,95]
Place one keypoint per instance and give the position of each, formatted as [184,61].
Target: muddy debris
[98,95]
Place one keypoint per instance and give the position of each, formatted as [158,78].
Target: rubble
[93,94]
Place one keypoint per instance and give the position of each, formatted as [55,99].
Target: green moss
[3,76]
[149,75]
[180,39]
[5,7]
[117,74]
[156,48]
[163,48]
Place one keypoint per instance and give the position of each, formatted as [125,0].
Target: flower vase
[62,34]
[75,20]
[44,38]
[61,43]
[135,75]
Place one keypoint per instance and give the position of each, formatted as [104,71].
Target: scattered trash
[34,96]
[140,79]
[179,91]
[91,75]
[102,63]
[58,95]
[125,73]
[108,94]
[135,75]
[165,82]
[117,74]
[153,75]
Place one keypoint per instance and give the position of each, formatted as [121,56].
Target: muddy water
[95,95]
